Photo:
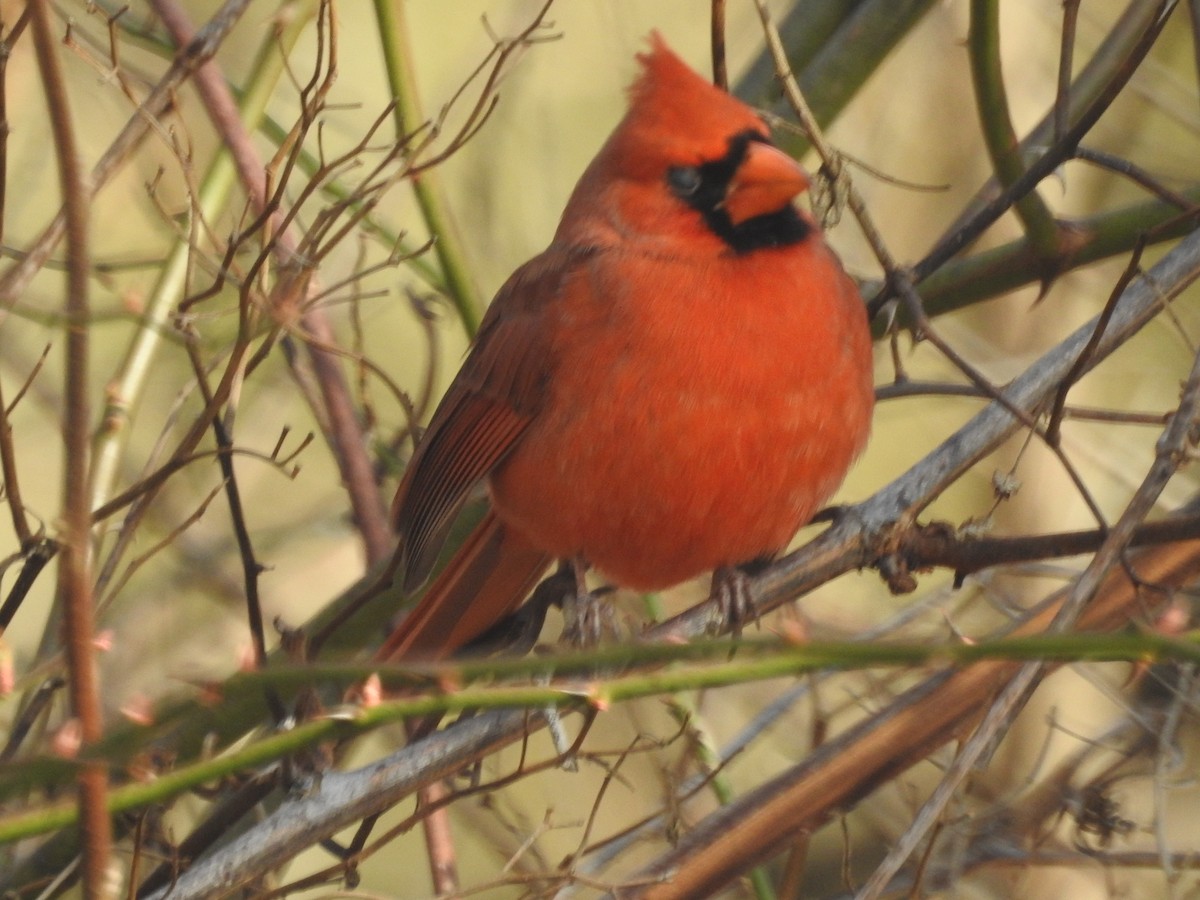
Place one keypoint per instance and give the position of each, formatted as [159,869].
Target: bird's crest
[674,109]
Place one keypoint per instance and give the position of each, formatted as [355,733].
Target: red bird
[673,387]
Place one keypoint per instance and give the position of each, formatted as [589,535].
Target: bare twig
[717,38]
[1066,56]
[1060,400]
[1054,156]
[6,48]
[75,576]
[14,282]
[860,535]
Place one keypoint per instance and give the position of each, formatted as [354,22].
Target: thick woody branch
[864,534]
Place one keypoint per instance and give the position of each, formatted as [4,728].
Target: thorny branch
[270,264]
[863,533]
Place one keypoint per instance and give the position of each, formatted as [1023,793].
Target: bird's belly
[653,488]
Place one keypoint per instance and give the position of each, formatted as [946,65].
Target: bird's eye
[684,180]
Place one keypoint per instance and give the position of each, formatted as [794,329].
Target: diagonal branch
[15,281]
[864,533]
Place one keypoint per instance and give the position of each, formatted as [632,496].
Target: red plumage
[674,386]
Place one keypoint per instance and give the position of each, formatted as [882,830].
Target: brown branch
[251,567]
[1066,56]
[345,435]
[847,768]
[939,545]
[863,533]
[36,556]
[75,574]
[15,281]
[6,49]
[1136,174]
[717,39]
[1132,269]
[1194,17]
[37,705]
[12,484]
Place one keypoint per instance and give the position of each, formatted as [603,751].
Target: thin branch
[6,49]
[15,281]
[999,136]
[12,484]
[1137,175]
[1066,58]
[37,556]
[1054,156]
[938,545]
[75,575]
[1060,401]
[720,67]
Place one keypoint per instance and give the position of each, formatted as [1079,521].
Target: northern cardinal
[673,387]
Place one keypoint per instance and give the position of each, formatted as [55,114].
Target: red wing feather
[493,398]
[466,447]
[486,580]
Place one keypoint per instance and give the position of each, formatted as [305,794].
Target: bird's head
[689,159]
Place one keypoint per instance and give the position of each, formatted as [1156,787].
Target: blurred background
[173,603]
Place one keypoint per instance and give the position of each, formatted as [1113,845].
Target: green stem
[704,748]
[213,195]
[990,273]
[831,77]
[426,187]
[998,133]
[694,666]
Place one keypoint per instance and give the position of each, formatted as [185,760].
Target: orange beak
[765,182]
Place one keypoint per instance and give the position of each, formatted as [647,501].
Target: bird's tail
[489,576]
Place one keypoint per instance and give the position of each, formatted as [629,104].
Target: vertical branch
[345,433]
[997,128]
[75,587]
[461,290]
[1194,17]
[12,486]
[1066,60]
[6,47]
[720,68]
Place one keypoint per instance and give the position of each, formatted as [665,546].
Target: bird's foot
[733,595]
[588,616]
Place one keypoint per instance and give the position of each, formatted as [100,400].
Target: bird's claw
[733,595]
[589,618]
